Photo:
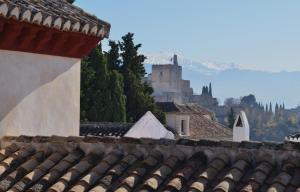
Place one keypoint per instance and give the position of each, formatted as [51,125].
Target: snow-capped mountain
[204,67]
[233,81]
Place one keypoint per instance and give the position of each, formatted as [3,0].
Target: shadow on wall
[23,73]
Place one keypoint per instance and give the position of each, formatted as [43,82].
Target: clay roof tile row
[57,14]
[106,164]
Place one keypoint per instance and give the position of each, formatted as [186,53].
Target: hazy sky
[256,34]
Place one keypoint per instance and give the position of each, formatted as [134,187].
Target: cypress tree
[231,118]
[277,109]
[102,97]
[206,90]
[116,83]
[113,56]
[96,90]
[210,90]
[138,94]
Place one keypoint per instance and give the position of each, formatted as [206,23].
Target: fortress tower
[166,80]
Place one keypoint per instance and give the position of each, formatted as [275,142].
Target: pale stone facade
[167,83]
[39,95]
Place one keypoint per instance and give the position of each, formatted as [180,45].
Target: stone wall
[168,85]
[166,78]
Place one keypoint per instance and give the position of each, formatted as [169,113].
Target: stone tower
[167,82]
[175,60]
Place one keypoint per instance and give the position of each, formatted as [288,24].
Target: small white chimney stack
[241,128]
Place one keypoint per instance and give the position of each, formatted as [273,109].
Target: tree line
[266,122]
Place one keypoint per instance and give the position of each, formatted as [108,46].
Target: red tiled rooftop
[105,164]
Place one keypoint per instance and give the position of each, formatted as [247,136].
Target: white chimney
[241,129]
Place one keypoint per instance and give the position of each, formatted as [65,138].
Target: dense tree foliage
[138,94]
[210,90]
[207,90]
[112,89]
[265,123]
[249,100]
[231,118]
[102,97]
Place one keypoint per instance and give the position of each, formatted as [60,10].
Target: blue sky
[256,34]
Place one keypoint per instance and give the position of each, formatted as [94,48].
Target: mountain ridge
[233,81]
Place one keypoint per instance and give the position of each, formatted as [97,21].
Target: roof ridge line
[287,145]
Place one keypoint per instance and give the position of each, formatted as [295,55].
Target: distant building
[193,121]
[147,126]
[167,83]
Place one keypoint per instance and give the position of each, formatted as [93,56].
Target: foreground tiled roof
[105,164]
[105,129]
[171,107]
[57,14]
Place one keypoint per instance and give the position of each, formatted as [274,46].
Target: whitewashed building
[193,121]
[41,46]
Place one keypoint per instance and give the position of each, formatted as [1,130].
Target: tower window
[160,75]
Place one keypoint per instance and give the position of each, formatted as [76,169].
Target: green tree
[138,94]
[210,90]
[231,118]
[116,84]
[249,100]
[102,97]
[113,56]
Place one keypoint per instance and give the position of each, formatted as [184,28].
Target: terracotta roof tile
[202,127]
[171,107]
[57,171]
[87,164]
[97,172]
[58,14]
[32,177]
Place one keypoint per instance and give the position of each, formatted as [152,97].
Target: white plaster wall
[39,94]
[171,121]
[174,122]
[241,133]
[149,127]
